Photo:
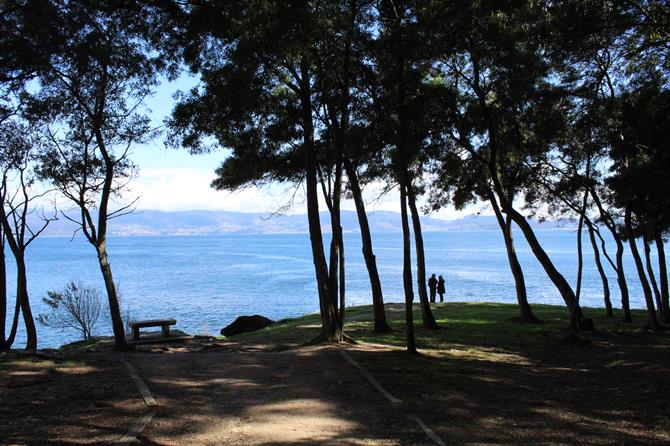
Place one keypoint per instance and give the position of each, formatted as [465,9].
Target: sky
[174,180]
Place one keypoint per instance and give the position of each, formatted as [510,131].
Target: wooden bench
[163,323]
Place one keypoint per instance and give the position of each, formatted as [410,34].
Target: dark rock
[244,324]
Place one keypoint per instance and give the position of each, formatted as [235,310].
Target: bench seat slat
[163,323]
[153,323]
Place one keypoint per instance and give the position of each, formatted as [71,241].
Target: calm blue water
[206,281]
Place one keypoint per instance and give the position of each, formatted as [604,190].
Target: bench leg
[166,331]
[136,333]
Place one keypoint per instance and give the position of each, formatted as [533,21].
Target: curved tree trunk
[22,293]
[15,325]
[556,277]
[8,341]
[601,271]
[621,276]
[17,246]
[652,276]
[380,324]
[426,312]
[651,313]
[407,271]
[112,297]
[517,272]
[663,272]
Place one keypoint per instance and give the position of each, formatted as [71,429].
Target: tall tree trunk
[112,297]
[574,318]
[15,325]
[22,292]
[330,327]
[601,271]
[426,312]
[336,242]
[621,280]
[621,276]
[100,240]
[3,291]
[380,324]
[342,281]
[17,246]
[663,272]
[401,171]
[505,224]
[407,271]
[651,313]
[652,276]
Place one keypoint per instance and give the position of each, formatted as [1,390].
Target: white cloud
[180,189]
[188,188]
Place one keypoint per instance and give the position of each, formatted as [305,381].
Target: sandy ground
[304,396]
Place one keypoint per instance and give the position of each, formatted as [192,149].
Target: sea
[205,282]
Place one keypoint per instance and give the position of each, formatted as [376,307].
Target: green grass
[474,326]
[81,346]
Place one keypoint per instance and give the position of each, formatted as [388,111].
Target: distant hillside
[221,222]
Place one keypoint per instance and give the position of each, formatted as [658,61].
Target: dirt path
[303,396]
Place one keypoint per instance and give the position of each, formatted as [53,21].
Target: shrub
[77,306]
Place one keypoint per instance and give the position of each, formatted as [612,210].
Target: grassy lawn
[472,325]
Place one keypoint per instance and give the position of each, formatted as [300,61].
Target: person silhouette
[432,285]
[440,288]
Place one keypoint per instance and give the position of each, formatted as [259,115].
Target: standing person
[432,285]
[440,288]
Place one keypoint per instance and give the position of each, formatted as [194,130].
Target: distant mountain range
[155,223]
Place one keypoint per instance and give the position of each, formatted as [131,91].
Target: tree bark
[342,282]
[621,277]
[663,272]
[330,327]
[556,277]
[17,246]
[621,280]
[22,293]
[380,324]
[407,271]
[517,272]
[574,318]
[426,312]
[3,291]
[336,243]
[651,313]
[15,325]
[100,242]
[601,271]
[652,276]
[112,297]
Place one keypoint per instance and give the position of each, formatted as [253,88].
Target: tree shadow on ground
[301,396]
[483,381]
[83,399]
